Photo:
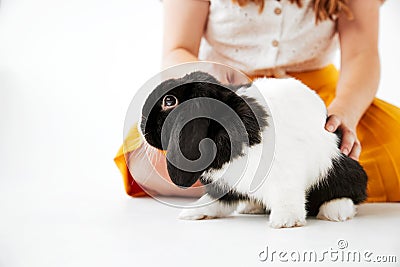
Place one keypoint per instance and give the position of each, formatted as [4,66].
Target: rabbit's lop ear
[187,155]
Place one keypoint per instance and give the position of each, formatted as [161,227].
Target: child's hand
[227,75]
[350,145]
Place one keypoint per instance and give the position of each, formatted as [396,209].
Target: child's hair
[324,9]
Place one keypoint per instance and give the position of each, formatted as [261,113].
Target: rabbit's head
[201,123]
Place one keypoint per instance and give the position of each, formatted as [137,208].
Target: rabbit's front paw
[212,211]
[287,218]
[209,209]
[196,214]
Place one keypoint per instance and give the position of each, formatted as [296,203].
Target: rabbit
[309,176]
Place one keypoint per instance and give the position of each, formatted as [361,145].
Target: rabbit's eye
[169,101]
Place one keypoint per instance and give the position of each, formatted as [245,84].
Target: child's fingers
[333,122]
[356,151]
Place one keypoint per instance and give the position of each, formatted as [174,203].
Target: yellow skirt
[378,132]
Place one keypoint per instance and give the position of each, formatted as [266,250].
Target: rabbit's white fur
[302,157]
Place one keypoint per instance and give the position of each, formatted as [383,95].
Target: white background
[68,70]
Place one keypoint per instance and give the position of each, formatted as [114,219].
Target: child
[298,38]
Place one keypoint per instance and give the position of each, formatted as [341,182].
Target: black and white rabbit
[308,176]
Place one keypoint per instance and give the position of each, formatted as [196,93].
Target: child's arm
[359,71]
[184,24]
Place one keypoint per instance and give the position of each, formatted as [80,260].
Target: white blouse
[283,38]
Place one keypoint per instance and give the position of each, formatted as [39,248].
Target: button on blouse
[282,36]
